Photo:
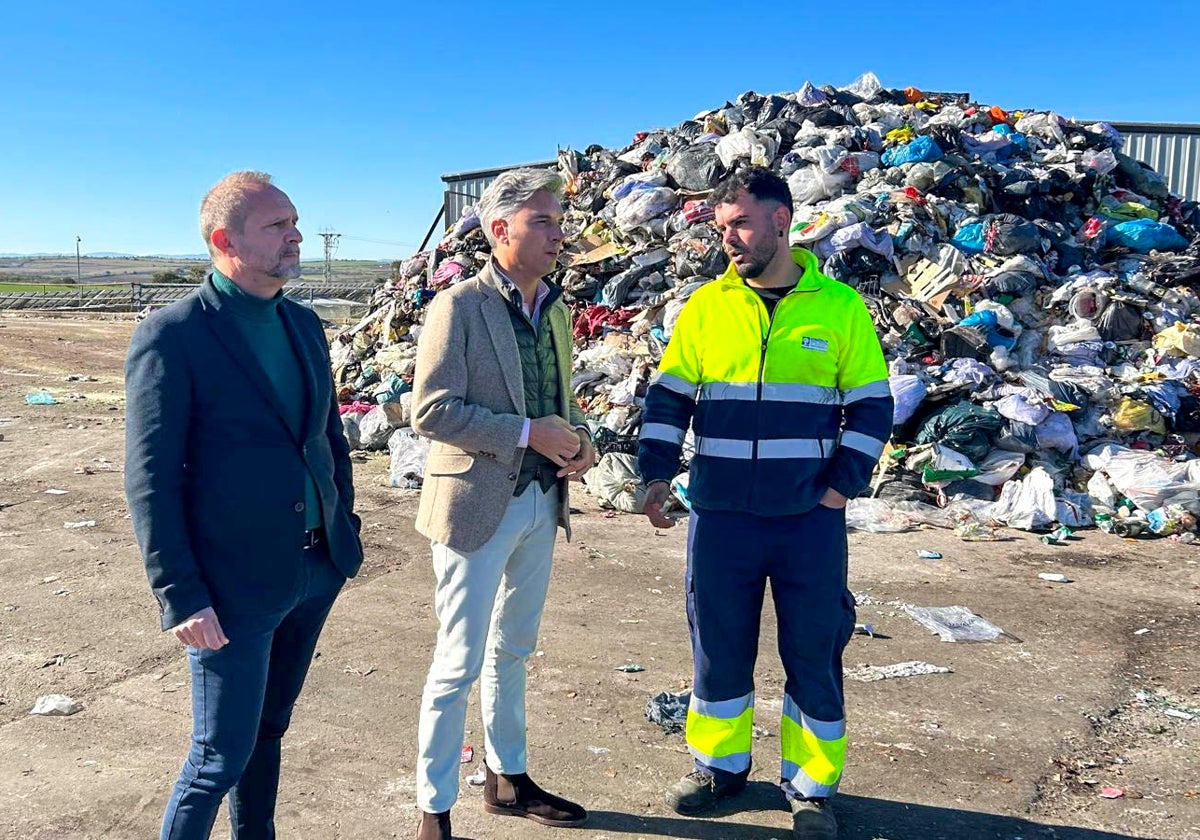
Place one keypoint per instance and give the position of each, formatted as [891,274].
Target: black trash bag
[1009,234]
[1015,283]
[964,427]
[1066,392]
[1016,436]
[904,486]
[1120,321]
[606,440]
[971,489]
[1187,418]
[964,343]
[696,168]
[857,267]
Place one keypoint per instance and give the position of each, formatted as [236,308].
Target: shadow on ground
[860,818]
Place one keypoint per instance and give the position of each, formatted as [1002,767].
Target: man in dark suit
[240,490]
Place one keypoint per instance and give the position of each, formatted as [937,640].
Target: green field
[120,271]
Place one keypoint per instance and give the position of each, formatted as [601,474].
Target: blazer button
[299,507]
[512,476]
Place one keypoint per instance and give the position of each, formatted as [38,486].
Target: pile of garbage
[1033,286]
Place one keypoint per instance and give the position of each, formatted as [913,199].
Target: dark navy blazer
[214,472]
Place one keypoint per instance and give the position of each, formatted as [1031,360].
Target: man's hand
[583,461]
[656,496]
[202,630]
[555,438]
[834,499]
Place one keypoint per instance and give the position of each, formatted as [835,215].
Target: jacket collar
[810,281]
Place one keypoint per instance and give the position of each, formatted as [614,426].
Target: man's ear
[499,228]
[220,241]
[783,220]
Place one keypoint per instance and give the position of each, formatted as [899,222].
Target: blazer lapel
[311,358]
[500,329]
[226,331]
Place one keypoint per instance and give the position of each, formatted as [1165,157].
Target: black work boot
[516,795]
[434,826]
[699,792]
[812,819]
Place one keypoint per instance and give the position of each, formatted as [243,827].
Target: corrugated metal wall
[466,188]
[1172,150]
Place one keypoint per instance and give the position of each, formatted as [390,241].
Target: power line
[331,241]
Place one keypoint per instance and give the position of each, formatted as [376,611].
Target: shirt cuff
[524,443]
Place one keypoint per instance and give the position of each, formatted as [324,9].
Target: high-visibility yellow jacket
[782,406]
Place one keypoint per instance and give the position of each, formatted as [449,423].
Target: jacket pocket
[441,463]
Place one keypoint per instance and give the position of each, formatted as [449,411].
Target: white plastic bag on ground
[1146,479]
[374,428]
[955,624]
[616,483]
[410,452]
[1026,504]
[875,515]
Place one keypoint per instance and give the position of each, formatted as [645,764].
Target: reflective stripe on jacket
[782,406]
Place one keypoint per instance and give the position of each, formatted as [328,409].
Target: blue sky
[119,115]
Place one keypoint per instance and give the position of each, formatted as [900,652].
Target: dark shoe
[516,795]
[434,826]
[699,792]
[812,819]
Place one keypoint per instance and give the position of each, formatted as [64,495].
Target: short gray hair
[224,206]
[509,193]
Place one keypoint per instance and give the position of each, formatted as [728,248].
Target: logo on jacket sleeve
[818,344]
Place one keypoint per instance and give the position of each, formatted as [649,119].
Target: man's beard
[287,271]
[758,261]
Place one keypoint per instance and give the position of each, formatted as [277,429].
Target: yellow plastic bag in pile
[1132,415]
[1179,340]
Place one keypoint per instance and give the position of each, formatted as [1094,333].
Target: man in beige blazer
[493,392]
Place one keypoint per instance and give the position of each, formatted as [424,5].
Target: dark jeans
[242,699]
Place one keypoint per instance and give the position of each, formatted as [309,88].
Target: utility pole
[331,241]
[78,274]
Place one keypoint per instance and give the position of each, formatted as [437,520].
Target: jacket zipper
[762,368]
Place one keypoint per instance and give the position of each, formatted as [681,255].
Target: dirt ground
[1017,742]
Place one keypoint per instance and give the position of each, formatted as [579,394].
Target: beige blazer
[469,399]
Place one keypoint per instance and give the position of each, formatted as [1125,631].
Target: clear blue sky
[119,115]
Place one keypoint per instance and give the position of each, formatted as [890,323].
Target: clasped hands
[568,447]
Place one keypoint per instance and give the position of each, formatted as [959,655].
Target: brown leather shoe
[434,826]
[517,795]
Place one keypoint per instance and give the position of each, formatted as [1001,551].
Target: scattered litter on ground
[55,492]
[40,398]
[669,710]
[874,673]
[477,779]
[86,523]
[1054,577]
[467,755]
[56,705]
[630,668]
[926,554]
[954,624]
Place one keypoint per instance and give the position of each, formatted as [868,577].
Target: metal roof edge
[484,173]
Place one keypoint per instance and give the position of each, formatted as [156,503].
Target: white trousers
[488,604]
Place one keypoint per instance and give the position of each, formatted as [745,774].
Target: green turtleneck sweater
[262,326]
